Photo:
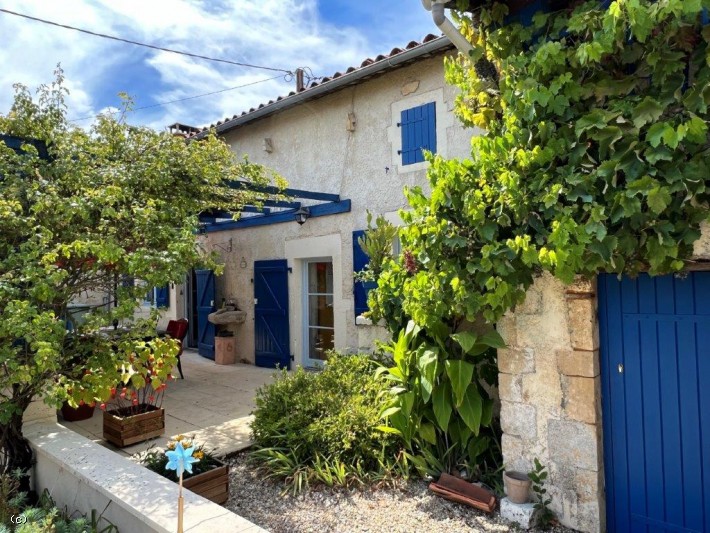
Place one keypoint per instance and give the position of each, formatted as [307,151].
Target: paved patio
[213,403]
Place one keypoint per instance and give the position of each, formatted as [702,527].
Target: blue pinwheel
[180,459]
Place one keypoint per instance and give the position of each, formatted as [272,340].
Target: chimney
[182,130]
[299,80]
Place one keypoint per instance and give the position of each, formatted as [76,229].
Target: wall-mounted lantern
[302,215]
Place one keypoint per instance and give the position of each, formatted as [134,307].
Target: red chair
[177,329]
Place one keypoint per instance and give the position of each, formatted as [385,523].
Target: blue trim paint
[320,210]
[295,193]
[282,203]
[271,321]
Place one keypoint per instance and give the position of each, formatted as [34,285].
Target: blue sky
[325,35]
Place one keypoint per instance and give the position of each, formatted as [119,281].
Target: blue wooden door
[205,306]
[655,358]
[271,335]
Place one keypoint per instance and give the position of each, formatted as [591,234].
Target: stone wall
[551,396]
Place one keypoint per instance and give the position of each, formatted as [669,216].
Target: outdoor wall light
[243,263]
[302,215]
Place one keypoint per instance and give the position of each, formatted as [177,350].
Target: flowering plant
[143,378]
[157,459]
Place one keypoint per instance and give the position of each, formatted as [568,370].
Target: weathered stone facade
[551,397]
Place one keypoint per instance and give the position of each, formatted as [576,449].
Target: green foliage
[594,158]
[156,460]
[12,500]
[45,517]
[377,244]
[112,204]
[440,404]
[538,476]
[322,426]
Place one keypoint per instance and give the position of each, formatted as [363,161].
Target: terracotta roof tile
[368,61]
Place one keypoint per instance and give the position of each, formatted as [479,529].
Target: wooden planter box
[213,484]
[126,430]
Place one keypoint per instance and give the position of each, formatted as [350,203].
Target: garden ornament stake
[180,460]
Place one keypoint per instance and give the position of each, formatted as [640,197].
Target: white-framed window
[318,310]
[420,120]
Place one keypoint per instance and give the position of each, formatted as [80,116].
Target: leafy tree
[109,205]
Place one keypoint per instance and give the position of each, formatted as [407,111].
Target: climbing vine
[594,158]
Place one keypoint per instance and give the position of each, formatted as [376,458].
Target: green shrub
[45,517]
[322,426]
[439,401]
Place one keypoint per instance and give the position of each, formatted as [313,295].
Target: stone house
[346,144]
[606,382]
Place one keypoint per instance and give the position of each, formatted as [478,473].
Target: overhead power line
[136,43]
[189,97]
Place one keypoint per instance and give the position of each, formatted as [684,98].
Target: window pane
[320,277]
[320,311]
[319,342]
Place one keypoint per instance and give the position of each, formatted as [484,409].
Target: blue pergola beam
[321,210]
[295,193]
[282,203]
[16,143]
[214,214]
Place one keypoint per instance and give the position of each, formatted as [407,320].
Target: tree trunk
[16,451]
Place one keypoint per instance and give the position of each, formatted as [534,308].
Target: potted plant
[209,477]
[134,415]
[134,412]
[517,486]
[83,411]
[82,347]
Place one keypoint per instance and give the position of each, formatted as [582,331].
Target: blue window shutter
[360,260]
[431,127]
[407,140]
[418,126]
[162,296]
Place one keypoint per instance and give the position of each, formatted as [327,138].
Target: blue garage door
[655,341]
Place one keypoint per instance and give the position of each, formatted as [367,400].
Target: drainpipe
[446,26]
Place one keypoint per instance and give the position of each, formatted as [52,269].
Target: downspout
[446,26]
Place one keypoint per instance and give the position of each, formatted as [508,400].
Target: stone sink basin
[224,317]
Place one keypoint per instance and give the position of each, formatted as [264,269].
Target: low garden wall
[83,475]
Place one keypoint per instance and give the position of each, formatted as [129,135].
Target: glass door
[319,324]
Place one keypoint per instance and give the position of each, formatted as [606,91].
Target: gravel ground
[407,509]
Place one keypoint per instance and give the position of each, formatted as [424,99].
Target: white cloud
[278,33]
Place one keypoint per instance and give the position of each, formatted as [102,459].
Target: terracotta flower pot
[517,486]
[72,414]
